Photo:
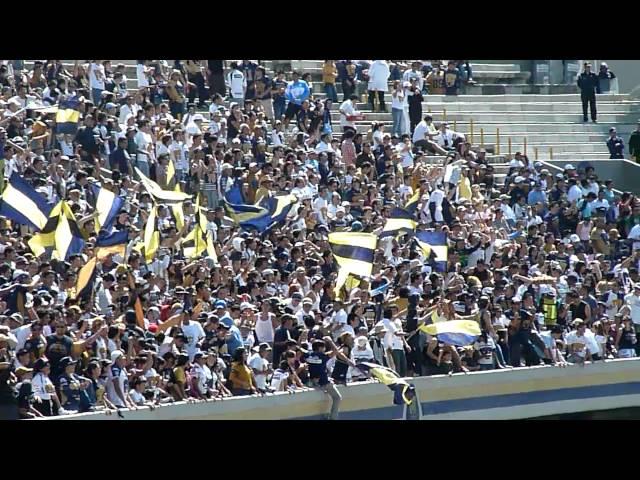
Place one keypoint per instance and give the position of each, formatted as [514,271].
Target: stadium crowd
[199,299]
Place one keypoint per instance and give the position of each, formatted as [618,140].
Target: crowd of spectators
[546,263]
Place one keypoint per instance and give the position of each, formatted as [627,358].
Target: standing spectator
[348,80]
[615,144]
[604,78]
[96,80]
[262,87]
[414,73]
[297,92]
[195,76]
[398,101]
[589,84]
[634,144]
[329,75]
[237,84]
[278,94]
[452,78]
[215,73]
[378,78]
[414,100]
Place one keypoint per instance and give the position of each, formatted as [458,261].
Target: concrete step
[502,108]
[524,129]
[513,117]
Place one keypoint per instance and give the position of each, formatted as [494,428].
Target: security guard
[589,84]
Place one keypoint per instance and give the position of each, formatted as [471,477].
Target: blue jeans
[279,105]
[398,119]
[96,95]
[143,166]
[331,92]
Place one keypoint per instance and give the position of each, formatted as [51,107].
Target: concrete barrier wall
[521,393]
[624,173]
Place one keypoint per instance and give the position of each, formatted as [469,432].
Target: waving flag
[434,246]
[68,116]
[163,196]
[234,195]
[86,279]
[412,204]
[114,243]
[61,236]
[108,204]
[354,253]
[399,221]
[22,204]
[454,332]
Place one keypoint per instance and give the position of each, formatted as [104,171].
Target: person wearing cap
[626,341]
[615,144]
[201,377]
[117,393]
[589,85]
[260,366]
[361,352]
[578,345]
[70,385]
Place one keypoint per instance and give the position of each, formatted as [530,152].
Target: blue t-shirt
[317,366]
[235,341]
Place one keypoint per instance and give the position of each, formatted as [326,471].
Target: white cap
[116,354]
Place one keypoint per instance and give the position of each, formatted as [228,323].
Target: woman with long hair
[241,379]
[43,389]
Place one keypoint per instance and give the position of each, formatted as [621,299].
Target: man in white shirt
[260,366]
[338,319]
[144,144]
[412,73]
[575,192]
[194,333]
[130,108]
[634,235]
[394,345]
[632,305]
[348,109]
[237,84]
[424,134]
[96,80]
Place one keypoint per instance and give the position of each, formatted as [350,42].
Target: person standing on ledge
[589,84]
[634,144]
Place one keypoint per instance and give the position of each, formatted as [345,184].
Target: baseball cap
[220,304]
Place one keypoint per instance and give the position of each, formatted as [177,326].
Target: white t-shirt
[237,83]
[96,70]
[143,81]
[574,194]
[391,340]
[194,333]
[339,318]
[120,374]
[347,109]
[573,337]
[143,140]
[634,234]
[278,377]
[259,364]
[420,131]
[634,306]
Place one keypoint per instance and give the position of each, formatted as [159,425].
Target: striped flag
[108,204]
[61,236]
[354,253]
[400,221]
[434,247]
[68,116]
[454,332]
[22,204]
